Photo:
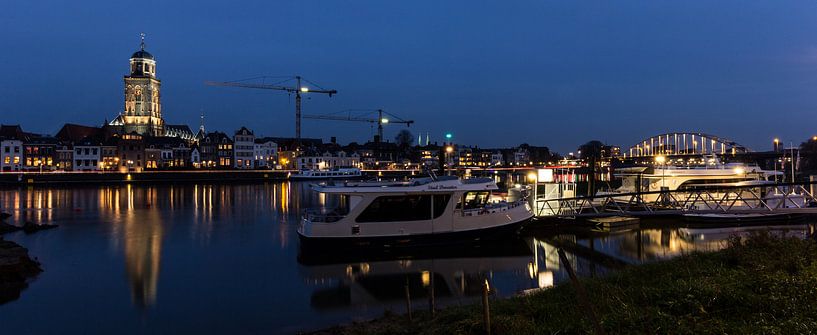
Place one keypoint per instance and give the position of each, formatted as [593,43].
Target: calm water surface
[214,259]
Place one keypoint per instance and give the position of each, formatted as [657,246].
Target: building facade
[266,153]
[244,149]
[87,155]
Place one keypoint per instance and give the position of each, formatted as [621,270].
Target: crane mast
[297,89]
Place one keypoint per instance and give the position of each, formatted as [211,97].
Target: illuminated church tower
[143,106]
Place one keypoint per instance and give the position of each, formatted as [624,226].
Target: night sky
[554,73]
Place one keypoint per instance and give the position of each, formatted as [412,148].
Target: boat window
[397,208]
[474,199]
[440,203]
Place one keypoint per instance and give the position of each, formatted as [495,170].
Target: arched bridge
[684,143]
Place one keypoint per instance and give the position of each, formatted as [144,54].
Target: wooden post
[431,302]
[486,308]
[408,300]
[581,294]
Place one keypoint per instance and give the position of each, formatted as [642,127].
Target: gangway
[767,198]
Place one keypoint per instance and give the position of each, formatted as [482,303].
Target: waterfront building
[244,149]
[11,155]
[65,156]
[166,153]
[87,154]
[11,147]
[131,150]
[216,150]
[266,153]
[464,157]
[497,158]
[39,153]
[110,154]
[312,159]
[143,108]
[195,156]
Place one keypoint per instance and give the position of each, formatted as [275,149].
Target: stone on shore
[7,228]
[30,227]
[16,267]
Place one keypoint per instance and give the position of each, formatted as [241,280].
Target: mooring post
[581,294]
[486,308]
[408,300]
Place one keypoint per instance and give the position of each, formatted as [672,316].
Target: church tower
[143,106]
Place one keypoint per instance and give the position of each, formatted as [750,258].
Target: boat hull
[416,240]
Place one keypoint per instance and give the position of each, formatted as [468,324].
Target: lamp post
[533,177]
[448,151]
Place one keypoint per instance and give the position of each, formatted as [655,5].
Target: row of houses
[83,148]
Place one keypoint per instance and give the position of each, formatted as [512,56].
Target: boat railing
[492,208]
[321,215]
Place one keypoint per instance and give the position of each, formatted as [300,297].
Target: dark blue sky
[555,73]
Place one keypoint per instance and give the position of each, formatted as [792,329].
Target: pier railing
[766,198]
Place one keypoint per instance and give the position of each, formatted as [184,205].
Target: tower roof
[142,54]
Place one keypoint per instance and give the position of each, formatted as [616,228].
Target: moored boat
[419,212]
[336,173]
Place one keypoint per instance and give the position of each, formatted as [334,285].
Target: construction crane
[298,89]
[380,120]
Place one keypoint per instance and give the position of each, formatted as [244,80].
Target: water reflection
[143,248]
[381,278]
[187,253]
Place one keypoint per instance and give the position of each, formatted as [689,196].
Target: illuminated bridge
[679,144]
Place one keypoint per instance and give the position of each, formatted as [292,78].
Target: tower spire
[201,124]
[142,45]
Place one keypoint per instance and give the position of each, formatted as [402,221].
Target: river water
[214,259]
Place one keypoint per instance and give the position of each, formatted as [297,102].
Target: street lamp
[660,159]
[448,150]
[532,177]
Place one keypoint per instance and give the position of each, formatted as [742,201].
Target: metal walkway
[772,198]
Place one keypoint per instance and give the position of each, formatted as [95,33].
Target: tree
[808,157]
[404,138]
[591,150]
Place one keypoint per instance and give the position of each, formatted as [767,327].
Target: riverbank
[761,284]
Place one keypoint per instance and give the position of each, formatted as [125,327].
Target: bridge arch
[684,143]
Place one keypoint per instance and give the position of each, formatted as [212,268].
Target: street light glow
[384,120]
[448,136]
[660,159]
[304,89]
[449,149]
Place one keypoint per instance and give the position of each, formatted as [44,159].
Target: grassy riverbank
[760,285]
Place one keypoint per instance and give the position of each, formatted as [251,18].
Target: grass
[762,284]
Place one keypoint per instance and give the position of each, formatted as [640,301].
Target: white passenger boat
[424,211]
[337,173]
[671,178]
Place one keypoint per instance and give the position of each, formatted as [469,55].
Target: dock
[781,198]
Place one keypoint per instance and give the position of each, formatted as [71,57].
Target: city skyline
[547,74]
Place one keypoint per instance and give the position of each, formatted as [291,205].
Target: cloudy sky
[500,73]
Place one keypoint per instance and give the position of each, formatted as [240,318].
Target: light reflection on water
[224,258]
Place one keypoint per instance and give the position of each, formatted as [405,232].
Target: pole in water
[486,308]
